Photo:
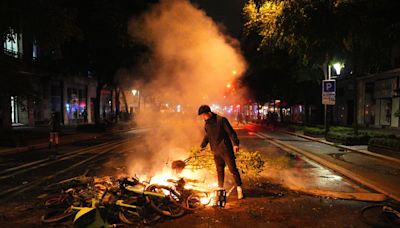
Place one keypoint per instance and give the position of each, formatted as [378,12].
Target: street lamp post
[338,67]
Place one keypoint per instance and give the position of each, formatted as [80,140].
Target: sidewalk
[33,138]
[379,174]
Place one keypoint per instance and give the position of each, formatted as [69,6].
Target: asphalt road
[270,199]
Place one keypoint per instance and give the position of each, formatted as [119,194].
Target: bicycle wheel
[55,201]
[374,215]
[170,205]
[197,201]
[55,216]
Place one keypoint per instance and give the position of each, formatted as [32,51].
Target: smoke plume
[191,63]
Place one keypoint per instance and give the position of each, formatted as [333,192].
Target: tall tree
[360,32]
[275,66]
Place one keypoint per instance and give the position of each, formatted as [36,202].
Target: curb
[16,150]
[346,172]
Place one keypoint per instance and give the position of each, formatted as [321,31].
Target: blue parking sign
[328,92]
[328,86]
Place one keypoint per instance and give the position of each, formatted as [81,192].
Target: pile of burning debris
[125,200]
[98,202]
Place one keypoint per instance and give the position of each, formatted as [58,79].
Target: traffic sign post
[329,92]
[328,98]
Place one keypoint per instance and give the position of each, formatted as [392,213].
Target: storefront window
[369,109]
[386,111]
[76,105]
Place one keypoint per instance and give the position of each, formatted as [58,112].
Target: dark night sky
[226,12]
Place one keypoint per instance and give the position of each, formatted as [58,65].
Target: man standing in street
[220,134]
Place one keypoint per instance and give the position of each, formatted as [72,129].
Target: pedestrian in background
[239,119]
[54,124]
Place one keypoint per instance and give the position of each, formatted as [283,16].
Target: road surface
[278,198]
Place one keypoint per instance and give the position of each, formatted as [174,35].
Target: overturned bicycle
[92,201]
[103,201]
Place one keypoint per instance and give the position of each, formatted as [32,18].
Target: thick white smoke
[191,63]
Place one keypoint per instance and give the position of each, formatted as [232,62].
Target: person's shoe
[240,192]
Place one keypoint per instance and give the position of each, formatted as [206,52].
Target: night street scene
[200,113]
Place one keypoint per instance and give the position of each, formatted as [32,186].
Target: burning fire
[194,180]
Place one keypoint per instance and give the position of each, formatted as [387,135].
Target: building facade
[31,90]
[378,100]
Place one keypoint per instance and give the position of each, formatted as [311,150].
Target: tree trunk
[355,97]
[117,104]
[306,113]
[112,112]
[97,119]
[5,109]
[125,102]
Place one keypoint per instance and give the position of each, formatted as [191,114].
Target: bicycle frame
[145,193]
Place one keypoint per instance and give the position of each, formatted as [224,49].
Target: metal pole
[325,119]
[326,106]
[139,100]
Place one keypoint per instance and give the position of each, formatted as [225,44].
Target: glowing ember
[205,200]
[188,179]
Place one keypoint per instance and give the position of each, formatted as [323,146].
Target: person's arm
[229,130]
[205,141]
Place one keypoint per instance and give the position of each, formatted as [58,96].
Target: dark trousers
[229,160]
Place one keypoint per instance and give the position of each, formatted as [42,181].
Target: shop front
[76,105]
[385,103]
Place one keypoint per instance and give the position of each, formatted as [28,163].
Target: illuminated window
[13,44]
[76,105]
[34,50]
[14,109]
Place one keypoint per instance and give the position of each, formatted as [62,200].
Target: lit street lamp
[135,93]
[338,67]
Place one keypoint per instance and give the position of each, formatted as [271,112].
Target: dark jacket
[54,123]
[220,134]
